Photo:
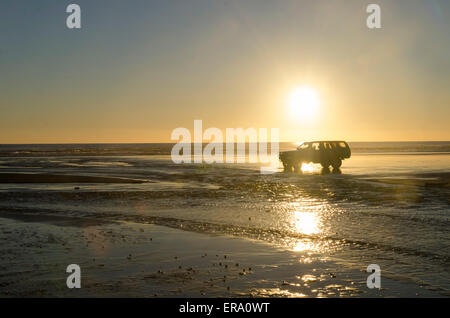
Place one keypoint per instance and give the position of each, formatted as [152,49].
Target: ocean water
[389,204]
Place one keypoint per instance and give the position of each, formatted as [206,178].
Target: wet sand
[143,260]
[54,178]
[441,180]
[296,235]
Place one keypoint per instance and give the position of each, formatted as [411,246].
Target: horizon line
[173,142]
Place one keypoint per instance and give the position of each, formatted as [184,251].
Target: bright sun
[303,102]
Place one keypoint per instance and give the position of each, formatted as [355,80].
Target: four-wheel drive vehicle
[324,152]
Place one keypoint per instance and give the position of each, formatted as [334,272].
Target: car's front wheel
[336,164]
[325,165]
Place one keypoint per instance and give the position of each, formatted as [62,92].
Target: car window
[315,146]
[304,145]
[342,145]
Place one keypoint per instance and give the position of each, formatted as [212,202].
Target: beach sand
[60,178]
[123,259]
[142,226]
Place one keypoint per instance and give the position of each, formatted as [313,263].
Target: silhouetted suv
[327,153]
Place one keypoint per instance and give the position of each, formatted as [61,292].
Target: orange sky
[134,73]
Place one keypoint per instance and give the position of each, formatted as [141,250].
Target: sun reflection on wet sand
[276,292]
[306,220]
[306,216]
[304,245]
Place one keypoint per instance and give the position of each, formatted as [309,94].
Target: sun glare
[303,102]
[307,167]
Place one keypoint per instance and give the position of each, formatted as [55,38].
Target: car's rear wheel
[287,167]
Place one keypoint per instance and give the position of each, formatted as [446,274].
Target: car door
[326,152]
[315,152]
